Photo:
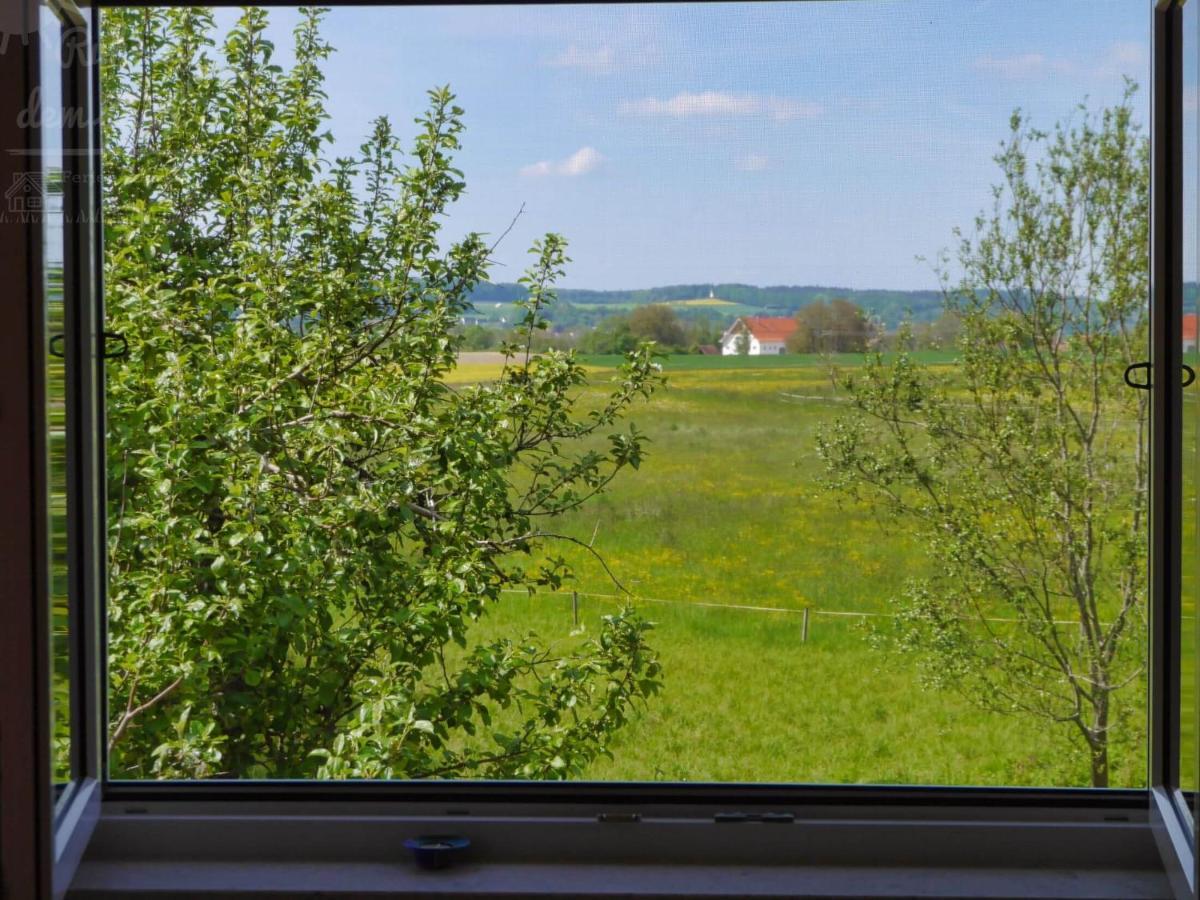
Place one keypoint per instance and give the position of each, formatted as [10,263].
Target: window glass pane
[46,191]
[381,506]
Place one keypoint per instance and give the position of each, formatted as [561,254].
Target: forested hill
[890,306]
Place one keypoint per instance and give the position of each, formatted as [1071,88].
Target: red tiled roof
[1189,327]
[770,328]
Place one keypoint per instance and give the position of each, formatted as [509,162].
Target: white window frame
[711,839]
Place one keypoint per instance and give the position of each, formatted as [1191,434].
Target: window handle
[58,342]
[1189,375]
[123,350]
[1139,385]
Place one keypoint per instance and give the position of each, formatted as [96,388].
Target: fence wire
[811,610]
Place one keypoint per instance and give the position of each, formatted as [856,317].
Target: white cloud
[708,103]
[751,162]
[596,60]
[1125,58]
[582,161]
[1024,66]
[783,108]
[537,169]
[1128,52]
[1122,58]
[721,104]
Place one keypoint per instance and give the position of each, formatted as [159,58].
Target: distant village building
[764,335]
[1189,332]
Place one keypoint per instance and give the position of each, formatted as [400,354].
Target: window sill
[260,850]
[167,879]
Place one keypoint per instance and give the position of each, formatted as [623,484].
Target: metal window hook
[123,350]
[1189,375]
[58,345]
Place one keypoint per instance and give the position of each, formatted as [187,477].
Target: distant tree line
[838,326]
[616,333]
[841,326]
[889,306]
[654,322]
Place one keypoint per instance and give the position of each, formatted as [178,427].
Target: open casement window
[1175,551]
[68,820]
[50,739]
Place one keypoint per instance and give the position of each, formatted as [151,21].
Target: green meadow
[723,537]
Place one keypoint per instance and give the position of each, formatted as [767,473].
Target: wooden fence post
[575,606]
[804,627]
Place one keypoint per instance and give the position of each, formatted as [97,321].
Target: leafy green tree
[1025,469]
[611,335]
[814,325]
[479,337]
[942,333]
[838,326]
[945,330]
[701,331]
[803,339]
[657,322]
[307,521]
[850,327]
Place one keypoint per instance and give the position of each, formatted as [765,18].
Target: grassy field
[701,302]
[728,511]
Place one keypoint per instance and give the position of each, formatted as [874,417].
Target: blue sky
[775,143]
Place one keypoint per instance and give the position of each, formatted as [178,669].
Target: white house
[765,335]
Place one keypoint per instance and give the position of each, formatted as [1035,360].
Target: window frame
[1171,818]
[78,810]
[24,637]
[43,837]
[218,808]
